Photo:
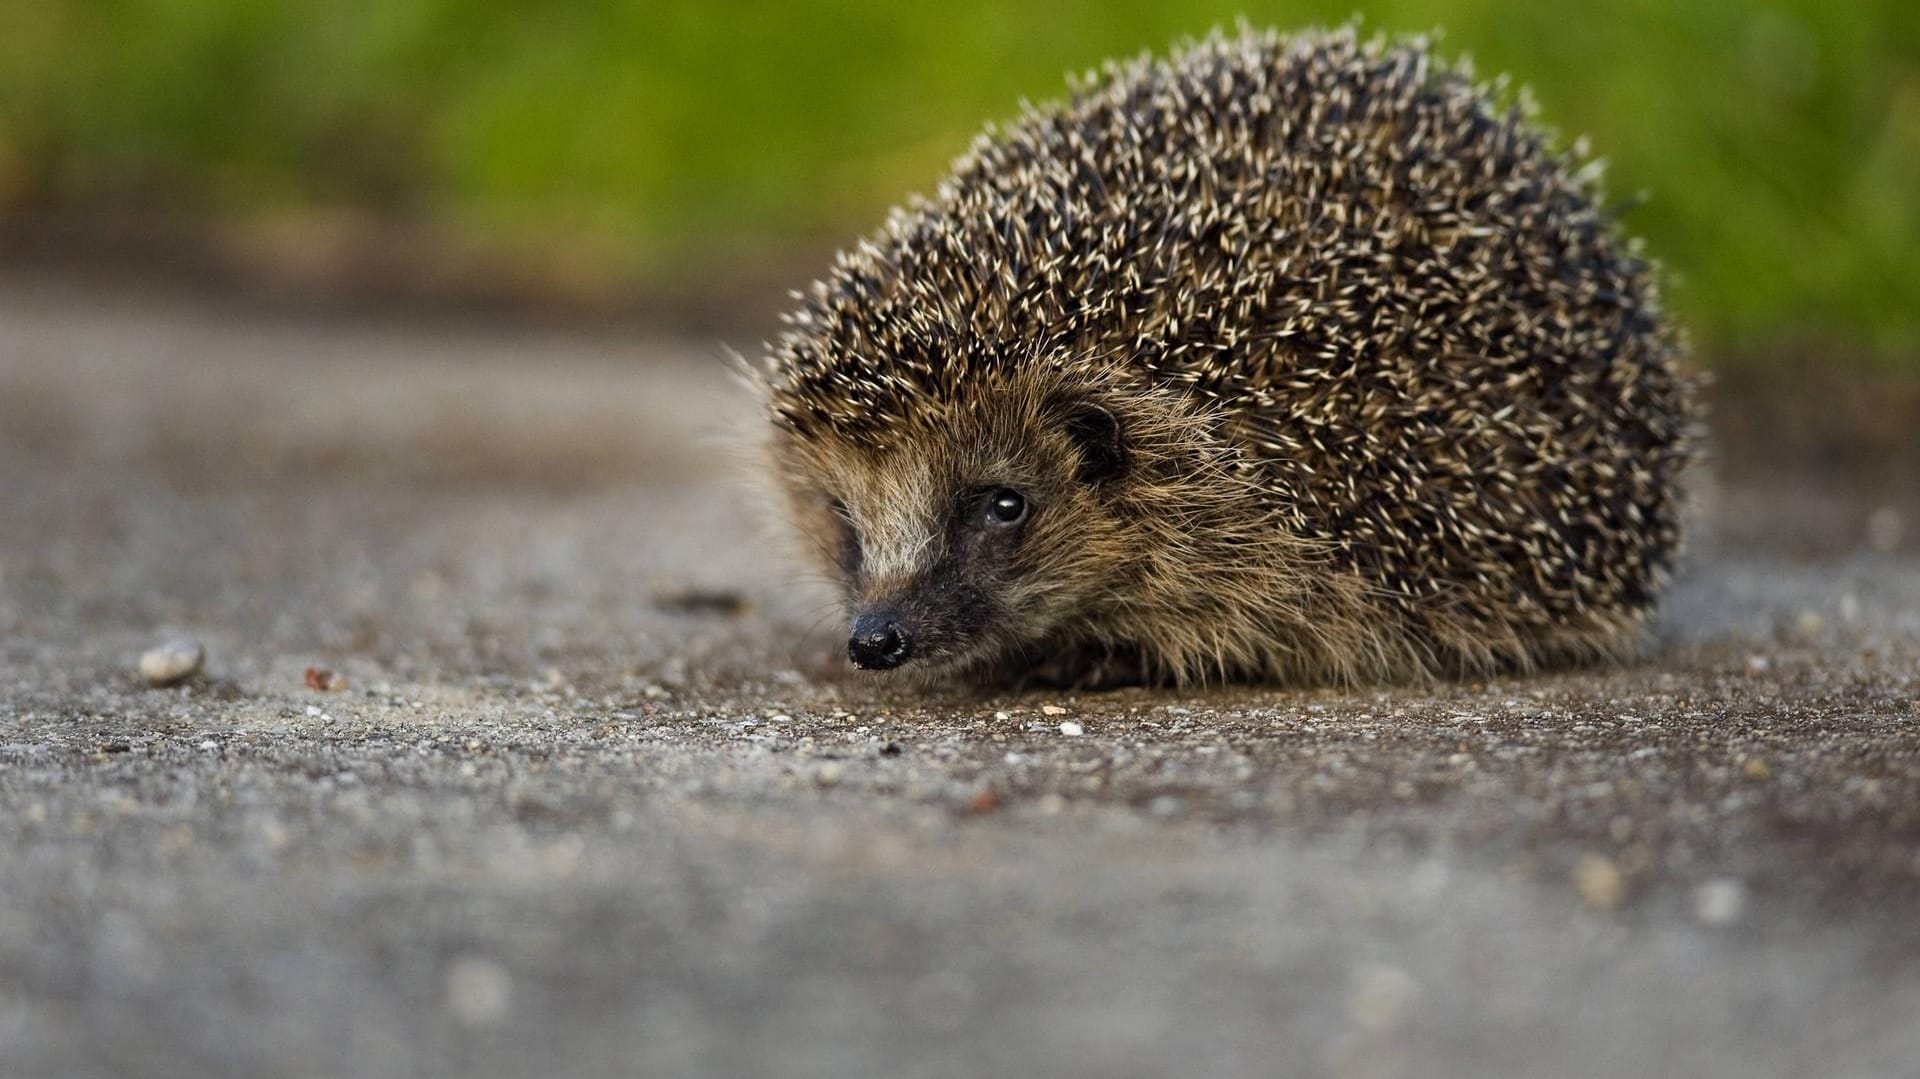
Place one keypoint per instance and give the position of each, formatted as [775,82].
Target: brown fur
[1395,400]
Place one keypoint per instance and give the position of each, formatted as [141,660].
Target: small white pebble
[1072,729]
[209,744]
[1599,882]
[171,662]
[1052,710]
[312,712]
[1379,997]
[479,992]
[1051,805]
[1003,716]
[1720,901]
[780,717]
[274,834]
[828,775]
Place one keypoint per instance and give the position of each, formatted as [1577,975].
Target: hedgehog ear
[1096,434]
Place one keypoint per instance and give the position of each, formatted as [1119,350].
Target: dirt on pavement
[592,794]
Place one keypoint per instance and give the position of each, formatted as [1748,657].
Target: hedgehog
[1288,358]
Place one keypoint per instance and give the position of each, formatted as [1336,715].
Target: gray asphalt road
[576,812]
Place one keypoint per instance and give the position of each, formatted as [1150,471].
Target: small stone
[1051,805]
[1599,881]
[172,662]
[1809,623]
[1052,710]
[1003,716]
[274,834]
[1379,997]
[1166,806]
[986,801]
[829,774]
[1072,729]
[1757,664]
[479,991]
[323,680]
[1720,901]
[1755,768]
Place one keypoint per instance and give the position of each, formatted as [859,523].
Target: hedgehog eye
[1006,506]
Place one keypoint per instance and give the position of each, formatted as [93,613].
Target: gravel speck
[479,991]
[1379,997]
[172,662]
[1072,729]
[984,802]
[1599,882]
[1720,901]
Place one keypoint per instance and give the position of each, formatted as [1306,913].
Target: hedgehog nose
[878,642]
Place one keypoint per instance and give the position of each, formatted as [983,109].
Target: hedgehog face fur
[1286,358]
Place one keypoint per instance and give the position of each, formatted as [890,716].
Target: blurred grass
[1779,143]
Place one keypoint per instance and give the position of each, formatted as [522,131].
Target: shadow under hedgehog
[1288,358]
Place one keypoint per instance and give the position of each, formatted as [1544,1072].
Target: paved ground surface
[566,817]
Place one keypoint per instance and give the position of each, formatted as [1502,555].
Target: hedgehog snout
[879,642]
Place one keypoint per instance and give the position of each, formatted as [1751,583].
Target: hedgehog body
[1286,358]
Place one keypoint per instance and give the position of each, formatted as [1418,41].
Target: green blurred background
[663,143]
